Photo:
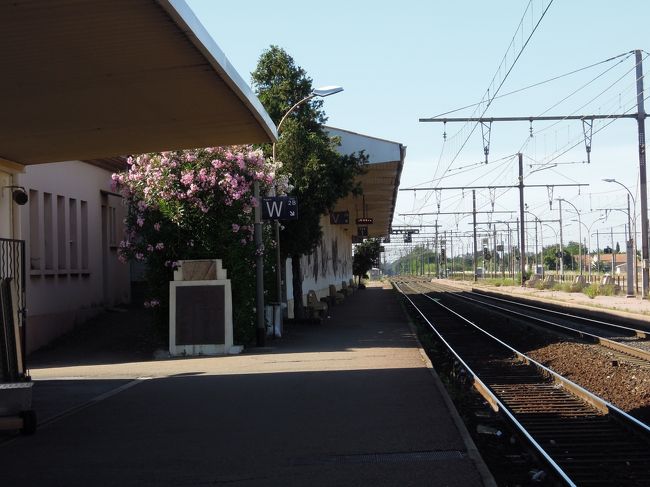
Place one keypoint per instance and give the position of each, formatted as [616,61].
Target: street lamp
[631,223]
[579,232]
[321,92]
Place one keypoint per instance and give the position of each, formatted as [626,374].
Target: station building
[86,83]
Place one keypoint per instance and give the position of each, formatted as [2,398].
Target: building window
[84,235]
[74,246]
[60,233]
[34,232]
[48,232]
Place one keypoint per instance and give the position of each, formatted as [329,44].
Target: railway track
[584,439]
[633,343]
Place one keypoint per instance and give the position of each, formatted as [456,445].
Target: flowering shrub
[195,204]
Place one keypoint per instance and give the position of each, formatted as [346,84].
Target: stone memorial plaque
[200,315]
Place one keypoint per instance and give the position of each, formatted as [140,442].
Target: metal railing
[12,310]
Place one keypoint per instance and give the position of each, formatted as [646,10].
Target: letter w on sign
[280,208]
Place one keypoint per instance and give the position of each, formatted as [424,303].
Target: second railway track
[587,440]
[633,342]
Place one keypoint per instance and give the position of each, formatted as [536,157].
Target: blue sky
[400,61]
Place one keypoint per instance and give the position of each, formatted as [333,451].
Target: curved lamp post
[631,224]
[321,92]
[318,92]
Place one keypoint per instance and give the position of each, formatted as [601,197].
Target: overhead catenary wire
[539,83]
[514,62]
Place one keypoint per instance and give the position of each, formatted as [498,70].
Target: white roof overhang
[87,79]
[379,183]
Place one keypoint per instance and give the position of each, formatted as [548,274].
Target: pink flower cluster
[196,178]
[183,185]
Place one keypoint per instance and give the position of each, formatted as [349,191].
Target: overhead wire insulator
[486,133]
[587,130]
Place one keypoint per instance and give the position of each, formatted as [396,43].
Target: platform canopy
[87,79]
[380,182]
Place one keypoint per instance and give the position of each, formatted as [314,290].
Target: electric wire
[549,80]
[491,99]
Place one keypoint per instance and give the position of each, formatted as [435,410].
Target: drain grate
[375,458]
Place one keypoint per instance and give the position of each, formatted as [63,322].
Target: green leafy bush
[591,290]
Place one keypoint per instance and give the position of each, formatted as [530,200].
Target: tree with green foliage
[318,173]
[366,255]
[574,249]
[551,259]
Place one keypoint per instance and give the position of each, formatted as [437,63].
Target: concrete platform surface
[350,402]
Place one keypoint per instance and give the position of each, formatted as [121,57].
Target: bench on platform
[534,280]
[315,307]
[345,290]
[335,296]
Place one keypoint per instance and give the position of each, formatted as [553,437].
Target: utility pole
[640,117]
[561,249]
[510,254]
[598,252]
[536,262]
[435,243]
[494,254]
[541,237]
[451,251]
[611,233]
[522,257]
[630,255]
[474,220]
[514,265]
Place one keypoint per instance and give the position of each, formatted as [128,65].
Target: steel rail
[492,398]
[605,342]
[636,331]
[572,386]
[583,459]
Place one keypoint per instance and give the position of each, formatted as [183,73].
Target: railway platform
[352,401]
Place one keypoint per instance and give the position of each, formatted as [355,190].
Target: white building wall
[72,226]
[330,263]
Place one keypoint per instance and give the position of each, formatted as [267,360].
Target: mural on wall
[324,258]
[335,256]
[315,266]
[345,262]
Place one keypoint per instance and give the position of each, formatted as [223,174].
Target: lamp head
[609,180]
[324,91]
[19,195]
